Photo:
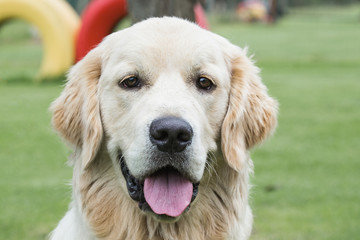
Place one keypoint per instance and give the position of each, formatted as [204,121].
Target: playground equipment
[58,25]
[251,11]
[200,16]
[100,18]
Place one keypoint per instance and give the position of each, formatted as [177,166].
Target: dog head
[162,95]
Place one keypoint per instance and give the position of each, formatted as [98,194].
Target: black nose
[170,134]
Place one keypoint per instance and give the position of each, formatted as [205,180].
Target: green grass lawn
[306,182]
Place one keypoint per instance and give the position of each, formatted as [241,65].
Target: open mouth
[166,192]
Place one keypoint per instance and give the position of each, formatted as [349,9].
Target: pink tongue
[168,193]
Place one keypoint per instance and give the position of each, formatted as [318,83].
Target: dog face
[162,108]
[175,73]
[161,96]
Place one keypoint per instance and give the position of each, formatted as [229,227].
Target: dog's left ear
[251,114]
[76,112]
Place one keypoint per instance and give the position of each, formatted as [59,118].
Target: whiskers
[210,167]
[120,158]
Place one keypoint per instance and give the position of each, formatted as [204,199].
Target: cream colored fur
[99,119]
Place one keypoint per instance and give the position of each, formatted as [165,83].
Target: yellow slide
[58,25]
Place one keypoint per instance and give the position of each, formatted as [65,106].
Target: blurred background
[307,176]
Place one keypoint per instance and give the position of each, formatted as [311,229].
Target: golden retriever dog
[161,117]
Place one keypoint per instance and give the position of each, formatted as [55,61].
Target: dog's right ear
[76,113]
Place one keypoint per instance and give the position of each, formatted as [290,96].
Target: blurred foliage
[319,2]
[230,4]
[79,5]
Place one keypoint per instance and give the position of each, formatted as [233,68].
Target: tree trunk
[273,11]
[143,9]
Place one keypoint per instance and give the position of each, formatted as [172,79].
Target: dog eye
[130,82]
[204,83]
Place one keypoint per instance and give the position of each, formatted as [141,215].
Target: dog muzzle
[165,193]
